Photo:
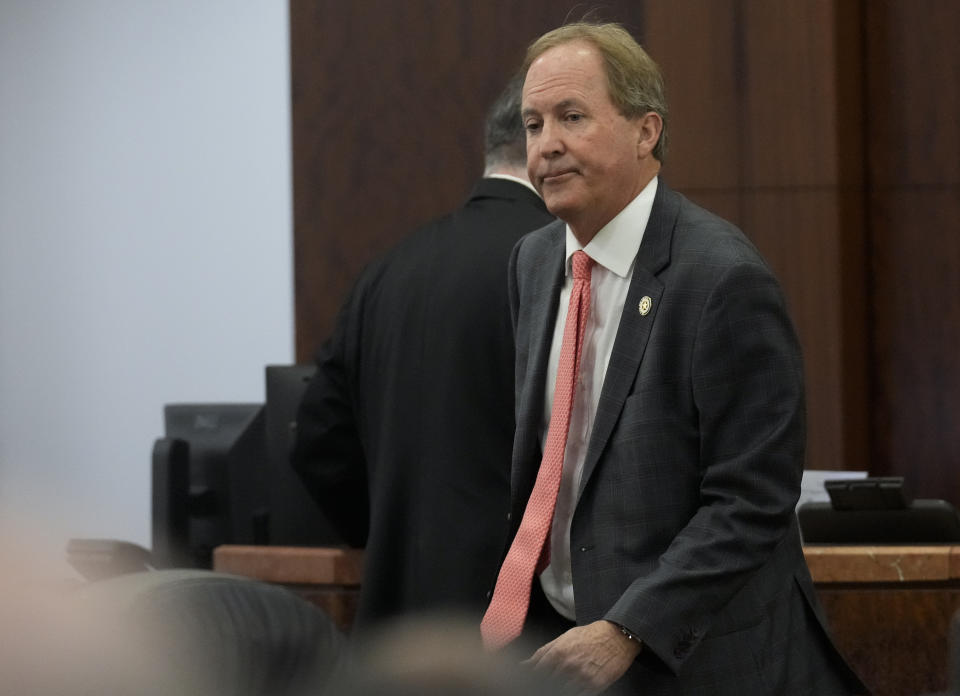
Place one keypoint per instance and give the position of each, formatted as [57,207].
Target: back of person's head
[634,80]
[440,656]
[505,142]
[178,632]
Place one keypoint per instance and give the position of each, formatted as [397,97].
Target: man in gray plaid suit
[675,562]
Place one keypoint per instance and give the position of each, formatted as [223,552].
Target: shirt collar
[616,245]
[517,179]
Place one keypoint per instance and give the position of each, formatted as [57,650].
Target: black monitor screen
[210,485]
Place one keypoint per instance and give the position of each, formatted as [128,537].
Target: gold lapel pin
[645,304]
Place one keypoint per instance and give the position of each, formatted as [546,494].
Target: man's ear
[650,126]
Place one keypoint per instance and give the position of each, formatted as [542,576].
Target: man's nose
[551,140]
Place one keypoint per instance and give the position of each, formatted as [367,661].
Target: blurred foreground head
[440,656]
[161,633]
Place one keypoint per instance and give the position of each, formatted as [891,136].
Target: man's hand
[593,656]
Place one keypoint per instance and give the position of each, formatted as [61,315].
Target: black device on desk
[877,510]
[210,484]
[209,487]
[222,475]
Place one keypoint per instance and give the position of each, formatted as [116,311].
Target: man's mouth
[558,176]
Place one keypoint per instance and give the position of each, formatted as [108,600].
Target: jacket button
[509,516]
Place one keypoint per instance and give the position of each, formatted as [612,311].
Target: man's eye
[574,117]
[532,127]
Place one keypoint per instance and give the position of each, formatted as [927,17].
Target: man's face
[583,156]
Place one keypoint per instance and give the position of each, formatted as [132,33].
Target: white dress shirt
[614,249]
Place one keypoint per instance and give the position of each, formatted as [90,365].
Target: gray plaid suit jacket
[684,529]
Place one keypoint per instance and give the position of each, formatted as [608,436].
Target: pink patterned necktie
[504,619]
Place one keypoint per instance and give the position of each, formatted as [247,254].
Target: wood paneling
[916,310]
[913,137]
[697,45]
[804,234]
[913,89]
[762,113]
[797,55]
[895,637]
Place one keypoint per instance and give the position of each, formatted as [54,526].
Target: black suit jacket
[684,529]
[405,433]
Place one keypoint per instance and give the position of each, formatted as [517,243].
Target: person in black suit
[405,432]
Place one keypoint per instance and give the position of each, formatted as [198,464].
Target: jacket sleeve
[327,452]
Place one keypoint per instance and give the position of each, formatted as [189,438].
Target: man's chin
[559,206]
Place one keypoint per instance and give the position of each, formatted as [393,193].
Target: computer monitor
[295,518]
[210,485]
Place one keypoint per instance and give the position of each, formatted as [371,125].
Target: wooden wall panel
[762,114]
[697,45]
[800,232]
[913,135]
[913,88]
[916,307]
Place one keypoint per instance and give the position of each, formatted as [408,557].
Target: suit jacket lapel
[635,325]
[546,277]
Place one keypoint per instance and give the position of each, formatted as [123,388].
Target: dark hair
[505,140]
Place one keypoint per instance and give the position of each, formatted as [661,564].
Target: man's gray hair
[505,140]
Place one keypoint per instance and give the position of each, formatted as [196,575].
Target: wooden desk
[889,607]
[328,577]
